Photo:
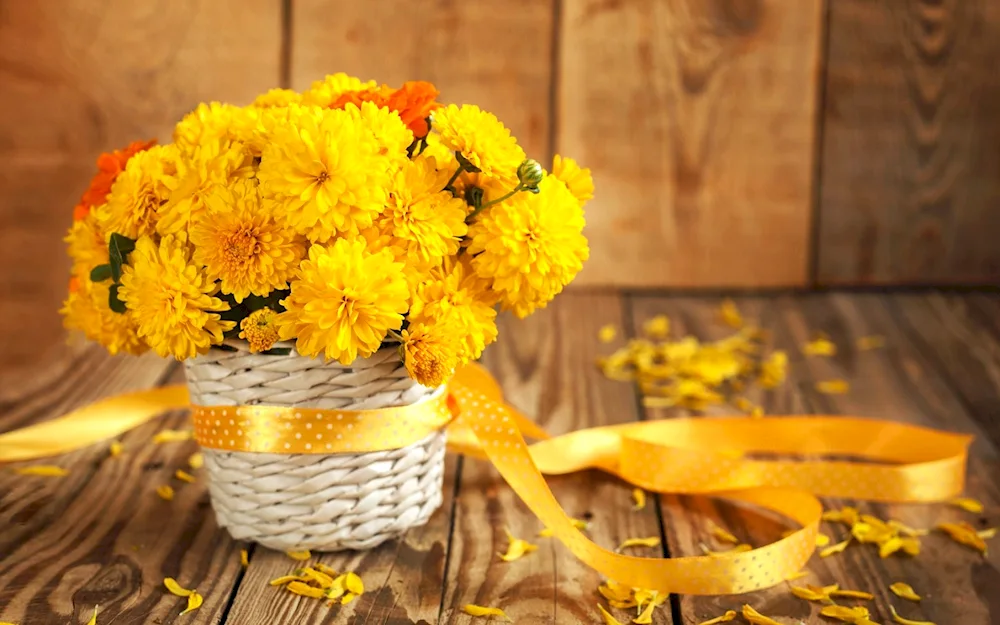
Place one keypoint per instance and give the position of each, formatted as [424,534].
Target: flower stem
[479,209]
[454,177]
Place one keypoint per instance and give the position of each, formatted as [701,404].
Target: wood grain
[546,365]
[697,119]
[101,535]
[78,78]
[899,382]
[495,55]
[911,143]
[403,578]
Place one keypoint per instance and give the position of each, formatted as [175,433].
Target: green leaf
[474,196]
[466,165]
[119,247]
[113,302]
[100,273]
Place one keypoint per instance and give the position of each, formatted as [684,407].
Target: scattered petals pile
[321,582]
[688,373]
[347,218]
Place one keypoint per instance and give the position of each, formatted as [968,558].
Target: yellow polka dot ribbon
[735,458]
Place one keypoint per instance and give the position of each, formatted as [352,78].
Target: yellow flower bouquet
[345,248]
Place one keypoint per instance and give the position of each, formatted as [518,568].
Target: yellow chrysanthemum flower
[427,221]
[480,137]
[213,122]
[260,330]
[430,352]
[344,301]
[170,301]
[459,299]
[324,92]
[530,246]
[208,165]
[138,193]
[326,173]
[87,246]
[86,310]
[578,180]
[277,98]
[239,243]
[388,129]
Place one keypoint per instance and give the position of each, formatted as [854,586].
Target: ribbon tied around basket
[715,456]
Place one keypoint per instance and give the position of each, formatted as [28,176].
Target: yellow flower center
[322,177]
[240,246]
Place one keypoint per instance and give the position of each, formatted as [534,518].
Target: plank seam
[285,52]
[240,574]
[822,74]
[460,462]
[554,74]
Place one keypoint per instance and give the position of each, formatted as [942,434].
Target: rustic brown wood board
[101,536]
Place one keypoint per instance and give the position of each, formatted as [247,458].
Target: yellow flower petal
[175,588]
[337,589]
[906,530]
[579,524]
[516,548]
[866,343]
[165,492]
[721,534]
[741,548]
[822,540]
[93,617]
[194,602]
[608,619]
[353,583]
[890,546]
[833,387]
[196,461]
[810,593]
[349,597]
[652,541]
[968,504]
[479,610]
[725,618]
[301,556]
[322,568]
[795,576]
[284,579]
[44,470]
[301,588]
[905,621]
[244,558]
[321,578]
[846,515]
[639,497]
[184,476]
[658,327]
[844,613]
[171,436]
[607,333]
[911,546]
[832,549]
[819,347]
[904,590]
[987,533]
[730,315]
[756,617]
[115,449]
[646,618]
[614,591]
[964,534]
[852,594]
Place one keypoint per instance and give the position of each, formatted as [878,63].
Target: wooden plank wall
[735,143]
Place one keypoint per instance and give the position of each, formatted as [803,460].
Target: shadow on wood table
[101,535]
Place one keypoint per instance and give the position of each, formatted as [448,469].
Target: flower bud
[530,173]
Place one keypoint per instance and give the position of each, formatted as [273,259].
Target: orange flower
[109,165]
[414,102]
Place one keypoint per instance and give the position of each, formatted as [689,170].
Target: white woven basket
[322,502]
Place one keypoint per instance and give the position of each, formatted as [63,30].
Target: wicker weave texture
[322,502]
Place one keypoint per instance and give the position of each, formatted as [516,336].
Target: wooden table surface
[101,536]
